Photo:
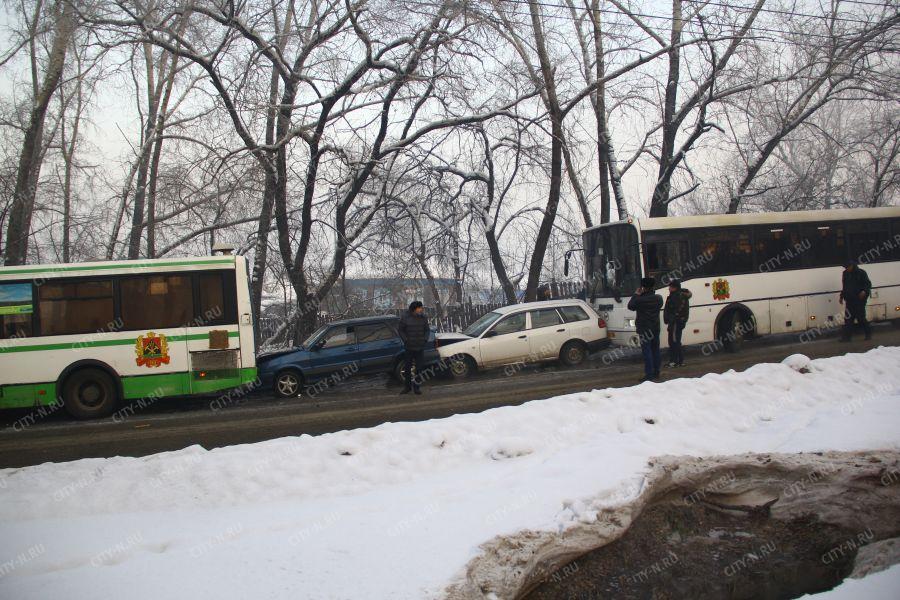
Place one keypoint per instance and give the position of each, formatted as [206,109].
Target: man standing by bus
[675,316]
[646,304]
[855,291]
[414,332]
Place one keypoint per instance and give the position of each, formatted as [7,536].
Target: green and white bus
[750,274]
[88,336]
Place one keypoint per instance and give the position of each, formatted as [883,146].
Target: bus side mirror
[566,267]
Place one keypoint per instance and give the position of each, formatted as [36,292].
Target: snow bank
[884,585]
[397,511]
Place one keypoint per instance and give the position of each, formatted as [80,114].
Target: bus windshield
[612,262]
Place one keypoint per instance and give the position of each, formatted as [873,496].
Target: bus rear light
[601,323]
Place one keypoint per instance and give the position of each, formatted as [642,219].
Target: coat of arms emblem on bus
[721,290]
[152,350]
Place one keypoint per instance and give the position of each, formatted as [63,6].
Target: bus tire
[89,393]
[288,383]
[573,353]
[736,325]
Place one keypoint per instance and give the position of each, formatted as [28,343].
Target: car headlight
[630,323]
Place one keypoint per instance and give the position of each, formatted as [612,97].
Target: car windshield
[481,325]
[308,341]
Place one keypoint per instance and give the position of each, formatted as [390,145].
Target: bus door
[214,340]
[156,308]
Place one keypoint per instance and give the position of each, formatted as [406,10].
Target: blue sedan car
[338,350]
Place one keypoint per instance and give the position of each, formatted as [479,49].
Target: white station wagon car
[565,330]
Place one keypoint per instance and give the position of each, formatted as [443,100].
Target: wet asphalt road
[28,438]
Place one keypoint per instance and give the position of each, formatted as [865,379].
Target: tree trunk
[659,204]
[556,155]
[599,106]
[264,223]
[29,167]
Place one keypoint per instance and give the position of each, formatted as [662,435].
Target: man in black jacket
[675,316]
[414,331]
[855,291]
[647,304]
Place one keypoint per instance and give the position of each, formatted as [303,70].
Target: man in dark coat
[414,331]
[646,304]
[855,291]
[675,316]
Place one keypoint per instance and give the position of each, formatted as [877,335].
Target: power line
[775,11]
[547,4]
[667,18]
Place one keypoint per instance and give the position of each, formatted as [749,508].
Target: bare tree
[822,73]
[60,17]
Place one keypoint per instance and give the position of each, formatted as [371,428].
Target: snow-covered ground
[884,585]
[397,511]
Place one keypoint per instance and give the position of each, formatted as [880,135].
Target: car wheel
[397,372]
[89,394]
[573,353]
[288,384]
[462,367]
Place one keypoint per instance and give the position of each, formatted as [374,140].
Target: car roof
[364,320]
[542,304]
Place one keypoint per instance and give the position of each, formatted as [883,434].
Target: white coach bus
[750,274]
[90,335]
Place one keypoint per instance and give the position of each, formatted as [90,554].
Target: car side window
[511,324]
[545,317]
[374,332]
[572,314]
[339,336]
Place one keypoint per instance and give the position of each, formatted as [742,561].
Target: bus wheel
[735,327]
[573,354]
[287,384]
[89,394]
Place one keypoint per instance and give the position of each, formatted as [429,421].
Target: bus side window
[156,302]
[894,242]
[723,252]
[82,306]
[827,245]
[211,296]
[666,260]
[869,240]
[779,247]
[16,310]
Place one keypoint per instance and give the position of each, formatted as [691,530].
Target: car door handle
[522,337]
[560,331]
